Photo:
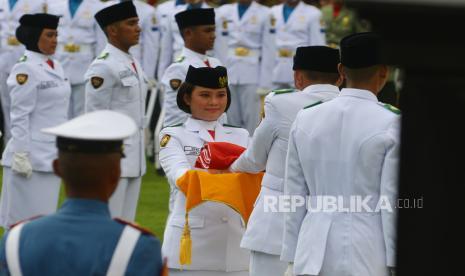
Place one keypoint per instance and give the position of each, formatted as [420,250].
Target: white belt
[75,48]
[243,52]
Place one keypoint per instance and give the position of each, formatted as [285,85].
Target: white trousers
[23,198]
[245,107]
[177,272]
[263,264]
[123,202]
[77,100]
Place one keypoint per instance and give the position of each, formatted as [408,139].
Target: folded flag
[218,155]
[237,190]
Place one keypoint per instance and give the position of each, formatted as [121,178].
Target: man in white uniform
[315,73]
[345,151]
[10,48]
[244,38]
[116,81]
[296,24]
[79,43]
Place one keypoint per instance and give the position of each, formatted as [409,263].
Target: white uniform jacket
[267,151]
[302,28]
[346,148]
[216,229]
[39,99]
[177,72]
[146,52]
[80,38]
[242,43]
[113,83]
[171,40]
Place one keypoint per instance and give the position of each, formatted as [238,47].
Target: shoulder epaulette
[283,91]
[104,55]
[313,104]
[23,58]
[136,226]
[180,59]
[391,108]
[228,125]
[176,125]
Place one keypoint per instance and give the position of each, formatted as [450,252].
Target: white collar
[190,53]
[34,56]
[359,93]
[321,88]
[118,52]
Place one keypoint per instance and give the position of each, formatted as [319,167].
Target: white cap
[102,125]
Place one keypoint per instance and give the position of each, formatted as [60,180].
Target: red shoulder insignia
[135,225]
[25,220]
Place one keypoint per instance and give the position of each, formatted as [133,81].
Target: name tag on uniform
[47,84]
[188,150]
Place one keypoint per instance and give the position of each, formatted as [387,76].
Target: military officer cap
[101,131]
[215,78]
[39,20]
[316,58]
[195,17]
[115,13]
[361,50]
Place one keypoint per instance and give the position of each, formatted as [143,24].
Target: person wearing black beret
[345,151]
[40,94]
[316,75]
[116,81]
[204,95]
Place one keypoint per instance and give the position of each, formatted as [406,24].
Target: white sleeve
[172,158]
[100,97]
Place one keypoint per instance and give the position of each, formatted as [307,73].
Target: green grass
[152,209]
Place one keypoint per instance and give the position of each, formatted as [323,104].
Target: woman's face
[206,103]
[48,41]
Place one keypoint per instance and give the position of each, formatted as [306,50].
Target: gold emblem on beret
[223,82]
[164,141]
[96,82]
[21,78]
[175,83]
[45,8]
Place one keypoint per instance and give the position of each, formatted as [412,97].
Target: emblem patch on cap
[175,83]
[21,78]
[223,82]
[164,141]
[96,82]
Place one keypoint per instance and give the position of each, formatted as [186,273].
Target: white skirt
[23,198]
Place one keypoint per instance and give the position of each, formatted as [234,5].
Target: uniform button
[224,219]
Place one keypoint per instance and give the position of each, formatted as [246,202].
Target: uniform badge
[21,78]
[273,21]
[223,82]
[164,141]
[96,82]
[345,21]
[175,83]
[253,20]
[154,20]
[225,24]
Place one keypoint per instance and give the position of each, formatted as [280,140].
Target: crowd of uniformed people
[90,88]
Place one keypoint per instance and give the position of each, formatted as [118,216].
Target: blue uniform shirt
[79,240]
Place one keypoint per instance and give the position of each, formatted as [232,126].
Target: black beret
[361,50]
[316,58]
[115,13]
[89,146]
[208,77]
[39,21]
[195,17]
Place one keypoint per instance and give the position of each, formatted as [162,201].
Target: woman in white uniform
[216,229]
[39,94]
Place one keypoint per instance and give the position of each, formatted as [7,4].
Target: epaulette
[104,55]
[313,104]
[180,59]
[176,125]
[136,226]
[23,58]
[390,108]
[228,125]
[283,91]
[25,220]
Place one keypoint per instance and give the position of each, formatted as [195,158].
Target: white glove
[263,91]
[151,83]
[21,164]
[290,270]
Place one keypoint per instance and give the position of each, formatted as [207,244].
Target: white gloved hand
[21,164]
[290,270]
[263,91]
[152,83]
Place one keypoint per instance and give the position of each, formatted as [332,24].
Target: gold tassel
[185,246]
